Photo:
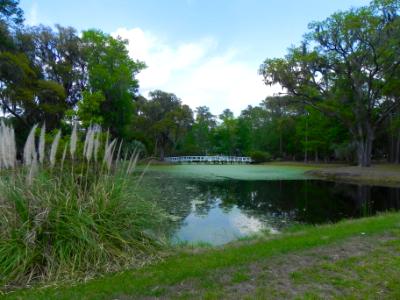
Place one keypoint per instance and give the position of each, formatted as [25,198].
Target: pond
[217,209]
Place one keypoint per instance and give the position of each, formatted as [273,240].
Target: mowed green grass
[191,275]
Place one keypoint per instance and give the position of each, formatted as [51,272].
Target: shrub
[345,151]
[260,156]
[72,218]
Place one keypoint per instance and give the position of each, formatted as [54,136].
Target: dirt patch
[387,175]
[276,276]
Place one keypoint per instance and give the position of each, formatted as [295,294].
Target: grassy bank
[383,174]
[353,258]
[380,174]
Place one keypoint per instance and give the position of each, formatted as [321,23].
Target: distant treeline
[341,92]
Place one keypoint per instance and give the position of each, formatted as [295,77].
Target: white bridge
[218,159]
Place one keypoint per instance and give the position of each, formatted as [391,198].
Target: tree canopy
[347,67]
[340,100]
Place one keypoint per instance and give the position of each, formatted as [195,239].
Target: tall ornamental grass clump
[68,215]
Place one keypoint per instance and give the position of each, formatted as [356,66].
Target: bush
[260,156]
[63,220]
[345,151]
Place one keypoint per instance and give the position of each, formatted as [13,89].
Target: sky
[207,52]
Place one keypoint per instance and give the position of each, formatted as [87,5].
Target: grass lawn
[354,259]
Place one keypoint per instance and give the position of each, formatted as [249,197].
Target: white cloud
[32,16]
[197,72]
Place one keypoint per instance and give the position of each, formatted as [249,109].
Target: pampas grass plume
[54,147]
[7,146]
[42,143]
[74,139]
[30,156]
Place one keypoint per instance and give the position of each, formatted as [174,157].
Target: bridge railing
[209,159]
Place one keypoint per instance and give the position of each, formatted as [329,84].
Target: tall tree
[37,78]
[347,67]
[112,75]
[59,54]
[225,135]
[10,13]
[203,129]
[165,119]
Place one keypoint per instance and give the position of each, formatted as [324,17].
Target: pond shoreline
[330,255]
[189,270]
[382,175]
[215,204]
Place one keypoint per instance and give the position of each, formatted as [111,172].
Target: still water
[217,212]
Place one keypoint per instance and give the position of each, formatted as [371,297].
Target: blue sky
[207,52]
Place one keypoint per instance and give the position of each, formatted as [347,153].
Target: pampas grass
[77,216]
[7,147]
[30,155]
[53,150]
[73,141]
[42,143]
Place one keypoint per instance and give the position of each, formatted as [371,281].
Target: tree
[244,138]
[256,120]
[59,55]
[347,67]
[165,120]
[37,81]
[280,113]
[318,134]
[225,135]
[89,109]
[14,67]
[227,114]
[111,74]
[203,129]
[10,13]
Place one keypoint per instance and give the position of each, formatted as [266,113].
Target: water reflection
[218,226]
[306,201]
[220,211]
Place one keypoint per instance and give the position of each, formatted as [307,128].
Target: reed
[74,217]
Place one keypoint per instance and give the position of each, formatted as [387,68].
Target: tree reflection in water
[227,205]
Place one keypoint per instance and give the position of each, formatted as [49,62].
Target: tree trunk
[392,147]
[306,142]
[397,153]
[162,153]
[364,149]
[155,147]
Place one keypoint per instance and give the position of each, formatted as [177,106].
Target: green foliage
[111,74]
[165,119]
[10,13]
[73,215]
[208,265]
[260,156]
[342,84]
[200,137]
[89,109]
[42,74]
[345,69]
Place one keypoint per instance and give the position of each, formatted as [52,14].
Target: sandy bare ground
[385,174]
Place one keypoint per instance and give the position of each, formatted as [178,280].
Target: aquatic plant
[72,217]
